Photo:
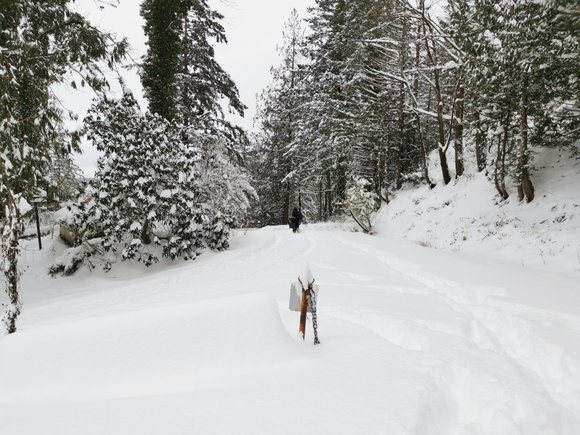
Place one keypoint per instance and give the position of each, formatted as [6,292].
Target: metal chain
[312,300]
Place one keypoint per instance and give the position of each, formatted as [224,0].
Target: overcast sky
[254,28]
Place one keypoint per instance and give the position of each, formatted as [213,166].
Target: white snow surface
[413,341]
[467,216]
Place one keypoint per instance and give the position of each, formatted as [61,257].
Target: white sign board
[296,297]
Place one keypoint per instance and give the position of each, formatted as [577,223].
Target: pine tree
[327,108]
[202,83]
[180,76]
[361,202]
[146,188]
[157,184]
[278,140]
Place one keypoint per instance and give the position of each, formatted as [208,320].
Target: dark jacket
[296,214]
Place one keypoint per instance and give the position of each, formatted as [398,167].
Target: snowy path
[414,341]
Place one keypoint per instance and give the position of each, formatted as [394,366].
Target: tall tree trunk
[525,186]
[424,150]
[458,131]
[499,173]
[381,183]
[444,165]
[328,196]
[11,233]
[442,142]
[480,150]
[320,200]
[424,154]
[286,208]
[401,137]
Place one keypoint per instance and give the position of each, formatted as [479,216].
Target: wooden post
[303,309]
[38,226]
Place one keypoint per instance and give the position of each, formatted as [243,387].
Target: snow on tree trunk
[11,232]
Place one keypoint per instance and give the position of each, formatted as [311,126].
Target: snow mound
[466,216]
[155,351]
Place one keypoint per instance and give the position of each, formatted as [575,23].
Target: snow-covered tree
[279,144]
[65,177]
[41,44]
[203,85]
[146,188]
[157,184]
[361,202]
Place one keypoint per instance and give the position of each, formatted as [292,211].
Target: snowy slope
[414,341]
[466,216]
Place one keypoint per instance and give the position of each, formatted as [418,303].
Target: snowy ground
[414,341]
[467,216]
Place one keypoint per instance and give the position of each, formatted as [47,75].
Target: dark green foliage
[163,28]
[146,189]
[180,75]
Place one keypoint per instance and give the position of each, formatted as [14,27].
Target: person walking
[295,220]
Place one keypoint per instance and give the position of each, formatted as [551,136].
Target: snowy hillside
[414,341]
[467,217]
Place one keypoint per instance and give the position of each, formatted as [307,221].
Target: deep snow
[414,341]
[467,216]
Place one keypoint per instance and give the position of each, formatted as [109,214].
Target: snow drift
[146,352]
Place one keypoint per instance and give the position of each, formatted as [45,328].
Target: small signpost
[36,201]
[303,299]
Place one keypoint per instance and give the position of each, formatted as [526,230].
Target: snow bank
[467,216]
[145,352]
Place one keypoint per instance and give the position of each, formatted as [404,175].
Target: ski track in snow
[495,329]
[408,347]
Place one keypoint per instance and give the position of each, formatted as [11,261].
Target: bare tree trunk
[286,208]
[431,51]
[401,104]
[480,150]
[458,131]
[424,154]
[525,186]
[499,173]
[381,165]
[11,233]
[328,196]
[432,54]
[418,117]
[320,200]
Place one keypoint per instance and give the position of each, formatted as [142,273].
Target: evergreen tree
[157,184]
[180,76]
[202,83]
[327,107]
[146,188]
[65,178]
[163,28]
[361,203]
[279,143]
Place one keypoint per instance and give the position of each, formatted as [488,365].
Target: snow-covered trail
[414,341]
